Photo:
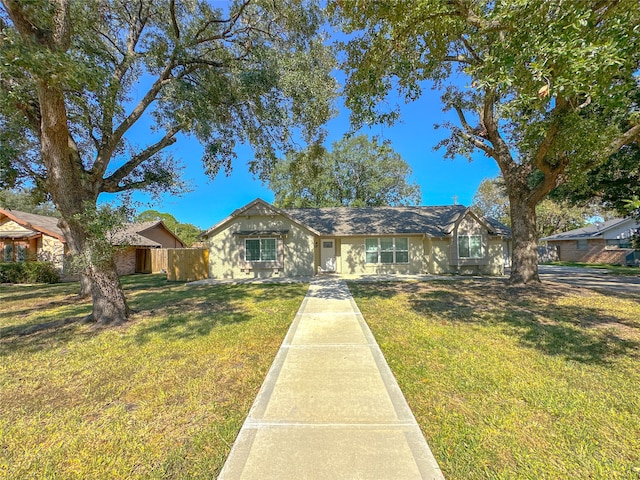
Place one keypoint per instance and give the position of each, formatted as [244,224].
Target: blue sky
[413,137]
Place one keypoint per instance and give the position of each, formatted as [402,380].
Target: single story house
[25,236]
[607,242]
[261,240]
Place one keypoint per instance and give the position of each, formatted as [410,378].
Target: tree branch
[111,183]
[630,136]
[174,20]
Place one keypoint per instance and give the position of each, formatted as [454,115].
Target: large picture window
[387,250]
[260,249]
[470,246]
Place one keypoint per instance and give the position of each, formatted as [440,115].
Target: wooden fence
[187,264]
[159,260]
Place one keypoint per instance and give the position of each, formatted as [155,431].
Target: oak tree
[77,76]
[539,86]
[356,172]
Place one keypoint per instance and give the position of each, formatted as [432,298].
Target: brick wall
[594,253]
[126,261]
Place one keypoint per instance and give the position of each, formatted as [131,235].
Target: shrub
[28,272]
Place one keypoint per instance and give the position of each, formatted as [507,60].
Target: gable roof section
[352,221]
[590,231]
[133,234]
[264,208]
[39,223]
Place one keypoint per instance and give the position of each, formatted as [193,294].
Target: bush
[28,272]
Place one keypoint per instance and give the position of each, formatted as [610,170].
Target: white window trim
[468,237]
[261,260]
[379,251]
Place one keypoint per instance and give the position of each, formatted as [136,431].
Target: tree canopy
[26,200]
[76,76]
[552,215]
[357,172]
[543,101]
[186,232]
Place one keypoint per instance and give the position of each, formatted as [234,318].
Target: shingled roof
[129,235]
[37,223]
[431,221]
[596,230]
[436,221]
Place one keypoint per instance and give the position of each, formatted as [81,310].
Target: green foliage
[612,183]
[29,201]
[104,226]
[553,216]
[545,88]
[358,172]
[253,72]
[186,232]
[491,200]
[28,272]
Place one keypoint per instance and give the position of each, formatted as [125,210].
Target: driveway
[596,278]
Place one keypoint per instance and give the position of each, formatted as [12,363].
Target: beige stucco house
[606,242]
[25,236]
[260,240]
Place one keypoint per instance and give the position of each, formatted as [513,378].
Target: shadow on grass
[172,310]
[36,337]
[531,314]
[29,292]
[195,311]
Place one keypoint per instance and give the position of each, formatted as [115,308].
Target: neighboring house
[25,236]
[608,242]
[138,240]
[261,240]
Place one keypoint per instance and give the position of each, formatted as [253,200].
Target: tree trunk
[85,286]
[72,189]
[101,278]
[524,265]
[109,303]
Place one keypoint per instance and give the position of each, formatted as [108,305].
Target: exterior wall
[440,251]
[352,257]
[495,265]
[10,226]
[126,261]
[52,250]
[594,253]
[624,230]
[163,237]
[296,251]
[469,226]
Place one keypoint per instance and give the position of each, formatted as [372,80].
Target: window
[260,249]
[469,246]
[21,251]
[387,250]
[582,244]
[619,243]
[8,252]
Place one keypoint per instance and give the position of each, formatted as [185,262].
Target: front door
[328,256]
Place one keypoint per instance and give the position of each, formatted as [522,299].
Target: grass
[615,269]
[509,383]
[162,397]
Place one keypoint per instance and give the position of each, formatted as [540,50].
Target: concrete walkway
[330,407]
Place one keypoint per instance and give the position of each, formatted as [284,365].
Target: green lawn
[615,269]
[508,383]
[162,397]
